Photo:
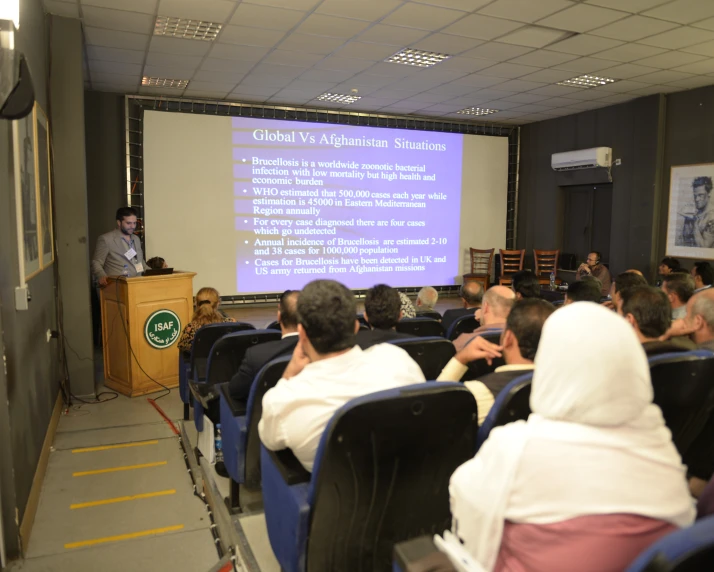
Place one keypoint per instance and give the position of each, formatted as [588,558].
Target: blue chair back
[433,314]
[512,404]
[422,327]
[203,341]
[477,369]
[687,550]
[228,352]
[381,473]
[431,353]
[463,325]
[274,326]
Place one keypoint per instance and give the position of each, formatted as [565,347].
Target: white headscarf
[592,406]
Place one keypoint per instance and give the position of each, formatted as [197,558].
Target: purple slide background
[442,217]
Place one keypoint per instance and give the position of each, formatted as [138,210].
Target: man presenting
[593,268]
[118,249]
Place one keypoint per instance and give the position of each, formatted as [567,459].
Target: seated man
[519,343]
[623,281]
[327,370]
[703,275]
[382,311]
[259,355]
[427,298]
[679,288]
[586,290]
[593,268]
[471,295]
[648,311]
[699,321]
[497,303]
[525,284]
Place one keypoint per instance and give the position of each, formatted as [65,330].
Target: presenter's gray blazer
[109,259]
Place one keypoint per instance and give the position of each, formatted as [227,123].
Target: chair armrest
[289,467]
[419,555]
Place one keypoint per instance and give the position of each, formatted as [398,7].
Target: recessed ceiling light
[477,111]
[338,98]
[418,58]
[164,82]
[185,28]
[587,81]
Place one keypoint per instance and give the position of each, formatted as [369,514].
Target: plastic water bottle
[219,444]
[125,273]
[552,280]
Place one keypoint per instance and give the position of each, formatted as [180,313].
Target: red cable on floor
[166,418]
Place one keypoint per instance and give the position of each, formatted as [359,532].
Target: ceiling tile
[478,81]
[353,65]
[622,86]
[115,55]
[311,86]
[678,38]
[143,6]
[292,58]
[225,66]
[295,96]
[633,6]
[558,101]
[705,49]
[117,20]
[526,98]
[178,46]
[427,97]
[265,92]
[543,59]
[184,72]
[331,26]
[65,9]
[588,94]
[117,68]
[707,24]
[629,52]
[207,10]
[326,76]
[548,76]
[534,36]
[683,11]
[584,65]
[533,107]
[422,17]
[211,86]
[188,62]
[618,98]
[294,4]
[392,35]
[694,81]
[248,36]
[290,72]
[446,44]
[466,65]
[481,27]
[219,77]
[369,80]
[252,15]
[366,51]
[584,45]
[633,28]
[581,18]
[555,91]
[656,89]
[669,60]
[496,51]
[167,91]
[585,105]
[521,85]
[525,10]
[626,71]
[232,52]
[507,70]
[311,44]
[198,94]
[705,66]
[264,82]
[371,10]
[115,39]
[500,104]
[455,89]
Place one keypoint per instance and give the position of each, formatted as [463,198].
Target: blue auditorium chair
[433,314]
[203,341]
[381,475]
[462,325]
[480,367]
[688,550]
[512,404]
[274,326]
[239,430]
[422,327]
[431,353]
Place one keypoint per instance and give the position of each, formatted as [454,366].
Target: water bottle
[552,280]
[219,444]
[125,272]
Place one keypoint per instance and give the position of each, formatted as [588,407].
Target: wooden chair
[481,264]
[511,262]
[546,261]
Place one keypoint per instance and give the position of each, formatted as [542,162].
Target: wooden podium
[142,320]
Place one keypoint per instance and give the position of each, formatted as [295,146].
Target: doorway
[588,217]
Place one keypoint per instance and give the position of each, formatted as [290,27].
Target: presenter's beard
[128,232]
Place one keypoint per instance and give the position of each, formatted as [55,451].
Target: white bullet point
[245,221]
[246,262]
[244,160]
[245,191]
[246,242]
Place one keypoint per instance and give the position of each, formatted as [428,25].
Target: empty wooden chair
[481,261]
[546,261]
[511,262]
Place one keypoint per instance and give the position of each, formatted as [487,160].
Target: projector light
[185,28]
[338,98]
[164,82]
[477,111]
[419,58]
[587,81]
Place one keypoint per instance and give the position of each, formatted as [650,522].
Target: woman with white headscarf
[592,478]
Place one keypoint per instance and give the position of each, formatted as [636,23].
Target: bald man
[495,307]
[471,295]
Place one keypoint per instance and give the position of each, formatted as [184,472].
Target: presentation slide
[259,205]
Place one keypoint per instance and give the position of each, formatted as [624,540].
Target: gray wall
[632,130]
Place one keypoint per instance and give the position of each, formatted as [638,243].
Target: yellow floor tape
[120,537]
[115,469]
[122,499]
[119,446]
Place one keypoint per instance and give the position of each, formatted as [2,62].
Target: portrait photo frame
[690,224]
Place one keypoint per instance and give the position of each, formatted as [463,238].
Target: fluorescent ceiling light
[338,98]
[164,82]
[419,58]
[587,81]
[185,28]
[477,111]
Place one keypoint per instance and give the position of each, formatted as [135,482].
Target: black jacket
[450,316]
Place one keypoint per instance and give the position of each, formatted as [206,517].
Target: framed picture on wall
[690,227]
[44,187]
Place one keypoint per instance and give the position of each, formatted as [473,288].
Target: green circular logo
[162,329]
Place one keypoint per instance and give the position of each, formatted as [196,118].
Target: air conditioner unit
[582,159]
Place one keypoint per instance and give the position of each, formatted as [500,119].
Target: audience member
[679,288]
[156,263]
[668,265]
[593,267]
[326,371]
[260,354]
[471,295]
[408,309]
[648,311]
[518,346]
[525,284]
[427,298]
[588,289]
[206,312]
[382,311]
[623,281]
[592,478]
[699,321]
[497,303]
[703,275]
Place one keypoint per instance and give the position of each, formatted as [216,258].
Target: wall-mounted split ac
[582,159]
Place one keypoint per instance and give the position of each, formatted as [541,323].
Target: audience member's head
[648,311]
[207,302]
[700,316]
[623,281]
[703,274]
[635,271]
[382,307]
[679,288]
[156,263]
[521,335]
[326,313]
[427,298]
[525,285]
[496,305]
[471,294]
[668,265]
[287,311]
[584,291]
[408,309]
